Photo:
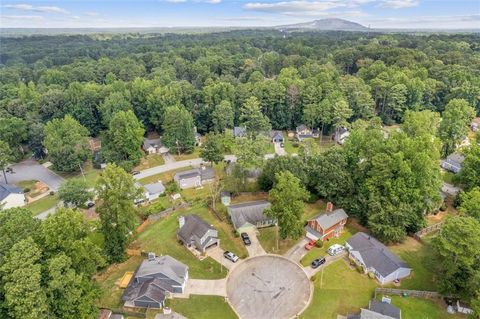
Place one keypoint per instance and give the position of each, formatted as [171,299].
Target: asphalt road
[30,169]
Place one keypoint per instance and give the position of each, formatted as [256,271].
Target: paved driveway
[255,249]
[279,150]
[168,167]
[450,189]
[297,252]
[30,169]
[217,254]
[206,287]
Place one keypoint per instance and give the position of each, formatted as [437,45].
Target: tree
[287,197]
[112,104]
[211,150]
[469,175]
[222,117]
[13,131]
[454,126]
[456,248]
[178,130]
[22,278]
[67,143]
[294,165]
[470,203]
[123,139]
[116,192]
[252,118]
[309,147]
[35,139]
[5,157]
[250,153]
[75,191]
[420,123]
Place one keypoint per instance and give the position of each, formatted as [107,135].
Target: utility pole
[81,170]
[5,175]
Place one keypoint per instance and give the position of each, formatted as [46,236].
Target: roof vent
[329,207]
[151,256]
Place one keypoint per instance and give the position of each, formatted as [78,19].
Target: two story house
[195,232]
[194,178]
[328,224]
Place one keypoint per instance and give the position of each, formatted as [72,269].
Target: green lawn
[202,307]
[415,308]
[340,290]
[448,177]
[42,204]
[318,252]
[289,146]
[26,184]
[183,157]
[89,173]
[420,258]
[150,160]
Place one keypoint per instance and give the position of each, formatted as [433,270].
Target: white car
[335,249]
[230,256]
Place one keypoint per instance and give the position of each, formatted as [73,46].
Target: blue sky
[173,13]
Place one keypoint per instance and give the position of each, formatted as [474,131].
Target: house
[154,146]
[239,131]
[154,190]
[376,258]
[249,215]
[328,224]
[341,134]
[475,125]
[97,160]
[376,310]
[195,232]
[155,279]
[225,198]
[303,132]
[276,136]
[11,196]
[453,162]
[194,178]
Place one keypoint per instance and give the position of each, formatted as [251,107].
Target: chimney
[181,221]
[151,256]
[329,207]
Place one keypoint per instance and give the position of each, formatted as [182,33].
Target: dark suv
[318,262]
[246,239]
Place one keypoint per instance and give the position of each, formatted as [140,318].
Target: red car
[310,244]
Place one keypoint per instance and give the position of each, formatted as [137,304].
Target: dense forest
[57,91]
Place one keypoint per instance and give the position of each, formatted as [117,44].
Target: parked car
[135,172]
[246,239]
[311,243]
[318,262]
[230,256]
[335,249]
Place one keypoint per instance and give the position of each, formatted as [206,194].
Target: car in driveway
[318,262]
[245,239]
[135,172]
[311,243]
[335,249]
[230,256]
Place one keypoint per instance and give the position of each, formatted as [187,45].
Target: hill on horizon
[326,24]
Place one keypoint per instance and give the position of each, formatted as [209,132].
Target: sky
[436,14]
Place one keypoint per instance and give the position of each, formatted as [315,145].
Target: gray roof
[276,134]
[205,173]
[154,142]
[249,212]
[166,265]
[375,254]
[327,220]
[302,127]
[455,159]
[155,188]
[7,189]
[194,226]
[385,309]
[172,315]
[239,131]
[116,316]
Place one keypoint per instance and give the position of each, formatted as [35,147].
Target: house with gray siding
[195,232]
[376,310]
[154,280]
[250,215]
[194,178]
[453,162]
[376,258]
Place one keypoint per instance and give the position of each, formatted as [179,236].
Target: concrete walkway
[279,150]
[255,249]
[297,252]
[206,287]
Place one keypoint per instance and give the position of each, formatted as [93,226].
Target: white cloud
[399,4]
[293,6]
[213,1]
[22,17]
[92,14]
[176,1]
[29,7]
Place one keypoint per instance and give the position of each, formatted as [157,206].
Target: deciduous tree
[178,130]
[75,192]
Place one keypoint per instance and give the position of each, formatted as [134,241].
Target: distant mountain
[325,24]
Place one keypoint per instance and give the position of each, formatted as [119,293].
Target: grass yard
[289,146]
[183,157]
[89,173]
[26,184]
[420,258]
[202,307]
[164,177]
[416,308]
[150,160]
[448,177]
[322,251]
[340,290]
[43,204]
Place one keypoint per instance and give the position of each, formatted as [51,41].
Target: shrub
[52,193]
[313,278]
[319,243]
[371,275]
[26,190]
[360,268]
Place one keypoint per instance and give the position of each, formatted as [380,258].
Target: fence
[427,230]
[163,213]
[407,292]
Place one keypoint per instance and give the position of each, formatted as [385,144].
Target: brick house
[326,225]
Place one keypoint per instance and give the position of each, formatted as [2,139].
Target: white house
[11,196]
[376,258]
[154,190]
[341,134]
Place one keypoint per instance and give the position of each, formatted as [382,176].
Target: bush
[319,243]
[360,268]
[52,193]
[296,144]
[26,190]
[371,275]
[313,278]
[172,188]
